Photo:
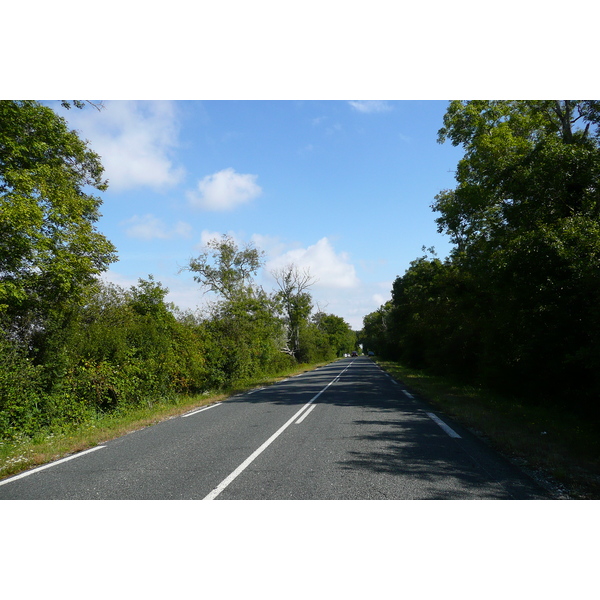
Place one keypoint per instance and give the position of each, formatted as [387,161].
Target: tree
[50,250]
[224,268]
[295,301]
[340,336]
[525,162]
[374,335]
[524,218]
[243,328]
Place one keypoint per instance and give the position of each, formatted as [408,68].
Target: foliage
[518,297]
[224,268]
[20,397]
[73,348]
[340,337]
[295,303]
[49,248]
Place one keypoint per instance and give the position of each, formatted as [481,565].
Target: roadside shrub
[20,387]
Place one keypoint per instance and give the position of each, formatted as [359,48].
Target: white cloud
[379,299]
[225,190]
[149,227]
[370,106]
[331,269]
[207,236]
[271,245]
[118,279]
[135,141]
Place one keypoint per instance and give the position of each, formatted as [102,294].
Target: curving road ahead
[344,431]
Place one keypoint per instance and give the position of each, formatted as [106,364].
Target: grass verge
[552,444]
[47,446]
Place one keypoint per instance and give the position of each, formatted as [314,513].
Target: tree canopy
[519,295]
[50,249]
[224,268]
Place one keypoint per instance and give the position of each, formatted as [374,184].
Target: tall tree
[525,162]
[243,326]
[340,336]
[525,220]
[295,300]
[50,250]
[224,268]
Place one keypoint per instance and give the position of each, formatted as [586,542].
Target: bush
[20,397]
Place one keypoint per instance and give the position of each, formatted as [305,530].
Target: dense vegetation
[516,305]
[72,347]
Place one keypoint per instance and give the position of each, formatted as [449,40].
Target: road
[344,431]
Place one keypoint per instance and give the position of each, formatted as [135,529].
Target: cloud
[331,269]
[379,299]
[149,227]
[271,245]
[208,236]
[370,106]
[118,279]
[225,190]
[135,141]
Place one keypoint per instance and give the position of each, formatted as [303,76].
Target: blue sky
[343,188]
[265,143]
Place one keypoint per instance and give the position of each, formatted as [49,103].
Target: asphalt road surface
[344,431]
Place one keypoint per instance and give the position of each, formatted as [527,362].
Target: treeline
[73,347]
[516,305]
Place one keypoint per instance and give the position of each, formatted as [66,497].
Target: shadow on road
[395,438]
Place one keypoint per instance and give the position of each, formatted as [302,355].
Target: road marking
[52,464]
[232,476]
[255,390]
[201,410]
[305,414]
[443,425]
[407,394]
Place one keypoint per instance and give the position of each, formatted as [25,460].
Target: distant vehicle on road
[355,353]
[371,353]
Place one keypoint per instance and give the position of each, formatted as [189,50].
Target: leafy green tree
[224,268]
[525,162]
[341,338]
[313,344]
[524,218]
[50,250]
[244,335]
[374,335]
[128,348]
[243,329]
[295,302]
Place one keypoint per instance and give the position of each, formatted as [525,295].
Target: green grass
[555,442]
[20,455]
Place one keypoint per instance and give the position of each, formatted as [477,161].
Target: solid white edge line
[443,425]
[255,390]
[52,464]
[200,410]
[225,483]
[305,414]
